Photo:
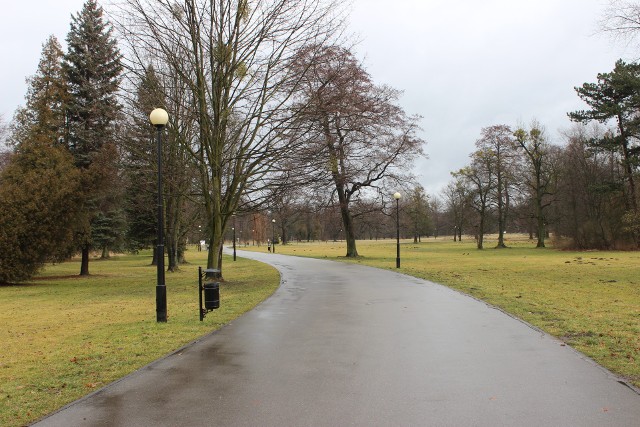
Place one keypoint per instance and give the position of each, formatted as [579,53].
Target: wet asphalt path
[347,345]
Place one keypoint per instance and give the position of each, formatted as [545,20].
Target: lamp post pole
[159,119]
[273,235]
[397,197]
[234,236]
[234,242]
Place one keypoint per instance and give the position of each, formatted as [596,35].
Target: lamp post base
[161,303]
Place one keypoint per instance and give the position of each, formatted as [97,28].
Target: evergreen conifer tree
[44,113]
[92,68]
[140,164]
[39,184]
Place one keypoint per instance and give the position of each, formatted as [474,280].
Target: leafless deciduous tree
[357,139]
[234,57]
[497,144]
[590,205]
[540,172]
[621,20]
[456,196]
[480,178]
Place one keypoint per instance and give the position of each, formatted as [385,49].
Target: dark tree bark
[234,58]
[357,138]
[541,173]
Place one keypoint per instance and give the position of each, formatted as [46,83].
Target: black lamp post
[273,235]
[159,119]
[397,197]
[234,236]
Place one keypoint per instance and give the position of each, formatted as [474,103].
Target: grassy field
[590,300]
[64,336]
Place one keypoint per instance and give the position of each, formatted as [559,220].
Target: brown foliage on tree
[357,139]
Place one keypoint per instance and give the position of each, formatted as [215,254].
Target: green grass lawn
[590,300]
[64,336]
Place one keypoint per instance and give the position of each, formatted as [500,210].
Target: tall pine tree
[92,68]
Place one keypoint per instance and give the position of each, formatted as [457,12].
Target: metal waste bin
[211,290]
[211,295]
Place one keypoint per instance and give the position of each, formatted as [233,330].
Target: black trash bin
[211,290]
[211,295]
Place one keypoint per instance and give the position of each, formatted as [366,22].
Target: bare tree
[358,140]
[234,57]
[590,206]
[497,145]
[456,196]
[480,178]
[621,20]
[539,158]
[417,209]
[435,212]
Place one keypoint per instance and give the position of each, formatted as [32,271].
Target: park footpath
[347,345]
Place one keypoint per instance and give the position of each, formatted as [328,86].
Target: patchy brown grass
[63,336]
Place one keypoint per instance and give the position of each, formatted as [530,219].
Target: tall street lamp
[159,119]
[397,197]
[273,235]
[234,237]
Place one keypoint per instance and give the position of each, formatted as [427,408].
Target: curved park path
[342,345]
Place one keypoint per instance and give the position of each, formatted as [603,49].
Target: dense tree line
[264,100]
[277,132]
[582,191]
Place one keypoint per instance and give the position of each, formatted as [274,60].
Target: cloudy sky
[462,64]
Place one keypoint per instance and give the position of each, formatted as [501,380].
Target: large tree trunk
[84,264]
[501,222]
[540,219]
[172,221]
[349,233]
[214,256]
[347,221]
[182,259]
[541,232]
[172,254]
[154,259]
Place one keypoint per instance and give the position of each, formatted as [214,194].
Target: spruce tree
[141,164]
[92,67]
[39,184]
[43,116]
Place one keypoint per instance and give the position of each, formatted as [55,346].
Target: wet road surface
[347,345]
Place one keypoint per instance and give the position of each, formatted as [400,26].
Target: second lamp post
[273,235]
[397,197]
[234,236]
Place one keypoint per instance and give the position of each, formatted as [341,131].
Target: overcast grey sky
[462,64]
